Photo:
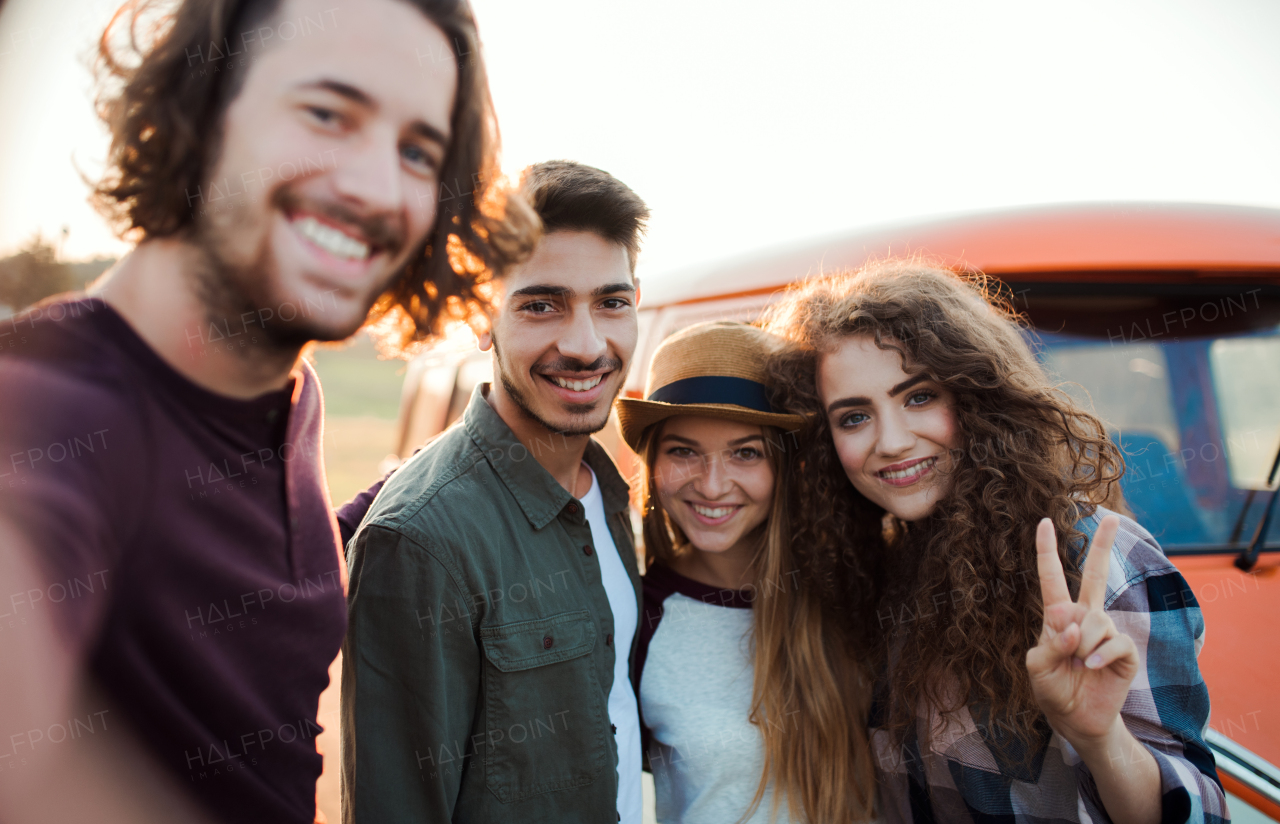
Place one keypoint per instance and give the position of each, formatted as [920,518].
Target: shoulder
[64,331]
[61,378]
[1142,578]
[63,352]
[447,478]
[73,444]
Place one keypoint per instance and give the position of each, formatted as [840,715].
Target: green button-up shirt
[479,654]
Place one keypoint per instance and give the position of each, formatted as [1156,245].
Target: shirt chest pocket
[545,715]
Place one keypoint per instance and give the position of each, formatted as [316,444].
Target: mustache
[574,365]
[380,230]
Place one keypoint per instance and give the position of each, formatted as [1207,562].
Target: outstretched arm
[105,777]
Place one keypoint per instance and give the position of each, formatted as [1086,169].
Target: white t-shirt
[623,713]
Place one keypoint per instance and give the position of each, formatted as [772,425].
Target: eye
[921,398]
[748,453]
[419,157]
[323,116]
[615,303]
[853,419]
[538,307]
[680,452]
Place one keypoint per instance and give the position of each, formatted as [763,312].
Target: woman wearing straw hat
[750,704]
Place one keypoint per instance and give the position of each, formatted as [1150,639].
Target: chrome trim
[1247,767]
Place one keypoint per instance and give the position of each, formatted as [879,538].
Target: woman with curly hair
[749,699]
[943,506]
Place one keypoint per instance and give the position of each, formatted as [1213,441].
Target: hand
[1082,666]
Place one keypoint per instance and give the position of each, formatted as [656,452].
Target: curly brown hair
[953,597]
[161,109]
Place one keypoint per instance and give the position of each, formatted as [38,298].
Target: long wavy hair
[165,81]
[809,697]
[947,607]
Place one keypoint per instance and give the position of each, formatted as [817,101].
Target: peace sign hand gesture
[1082,666]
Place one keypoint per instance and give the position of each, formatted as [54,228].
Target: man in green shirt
[494,587]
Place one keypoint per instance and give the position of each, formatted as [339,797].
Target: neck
[154,289]
[559,454]
[730,569]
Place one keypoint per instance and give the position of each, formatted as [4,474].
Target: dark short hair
[571,195]
[164,95]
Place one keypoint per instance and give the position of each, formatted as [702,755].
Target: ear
[482,327]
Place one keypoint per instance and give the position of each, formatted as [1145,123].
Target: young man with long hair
[281,165]
[1034,651]
[494,586]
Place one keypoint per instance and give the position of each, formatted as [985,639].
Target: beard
[567,365]
[233,287]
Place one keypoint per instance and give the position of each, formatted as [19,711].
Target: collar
[539,495]
[666,578]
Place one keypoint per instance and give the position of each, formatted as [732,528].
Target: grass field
[361,399]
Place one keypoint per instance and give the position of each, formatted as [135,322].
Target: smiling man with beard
[494,587]
[166,533]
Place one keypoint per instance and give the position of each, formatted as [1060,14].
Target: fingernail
[1093,661]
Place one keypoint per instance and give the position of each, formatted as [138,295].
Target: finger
[1093,583]
[1096,629]
[1041,660]
[1068,641]
[1053,583]
[1120,653]
[1060,616]
[1054,649]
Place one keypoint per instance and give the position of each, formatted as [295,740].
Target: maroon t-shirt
[190,551]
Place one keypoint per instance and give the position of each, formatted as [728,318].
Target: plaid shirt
[966,771]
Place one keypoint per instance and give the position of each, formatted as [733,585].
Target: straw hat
[713,369]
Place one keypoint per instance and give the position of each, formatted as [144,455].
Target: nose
[582,341]
[715,480]
[368,172]
[895,436]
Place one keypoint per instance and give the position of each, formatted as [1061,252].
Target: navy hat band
[715,389]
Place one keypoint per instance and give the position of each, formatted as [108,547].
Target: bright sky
[749,124]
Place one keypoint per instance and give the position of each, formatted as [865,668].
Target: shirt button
[608,640]
[572,508]
[547,642]
[613,728]
[586,548]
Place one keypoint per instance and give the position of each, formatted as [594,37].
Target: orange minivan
[1164,318]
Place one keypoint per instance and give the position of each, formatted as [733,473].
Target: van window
[1129,385]
[1125,384]
[1246,380]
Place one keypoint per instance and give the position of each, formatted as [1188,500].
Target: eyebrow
[735,442]
[420,128]
[863,401]
[542,289]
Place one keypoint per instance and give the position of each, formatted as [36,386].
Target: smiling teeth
[909,472]
[579,386]
[339,244]
[709,512]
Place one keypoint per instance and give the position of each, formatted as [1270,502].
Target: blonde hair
[809,698]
